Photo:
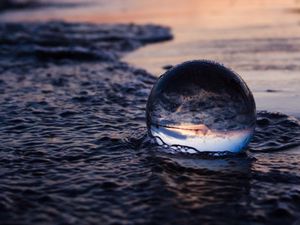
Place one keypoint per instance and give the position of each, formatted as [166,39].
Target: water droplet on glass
[201,105]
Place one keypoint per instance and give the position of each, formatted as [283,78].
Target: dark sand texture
[74,149]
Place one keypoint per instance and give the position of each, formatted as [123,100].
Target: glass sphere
[201,106]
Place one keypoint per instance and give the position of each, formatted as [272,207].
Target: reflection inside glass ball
[201,106]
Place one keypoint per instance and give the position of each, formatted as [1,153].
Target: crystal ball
[201,106]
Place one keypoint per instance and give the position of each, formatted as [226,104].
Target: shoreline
[74,147]
[263,49]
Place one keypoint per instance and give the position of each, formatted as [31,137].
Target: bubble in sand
[201,106]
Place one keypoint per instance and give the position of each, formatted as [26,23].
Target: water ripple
[74,148]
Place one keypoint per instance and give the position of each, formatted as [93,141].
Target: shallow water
[74,148]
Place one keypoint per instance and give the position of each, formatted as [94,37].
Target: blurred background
[259,39]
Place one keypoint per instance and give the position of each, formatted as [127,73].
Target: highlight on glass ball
[201,106]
